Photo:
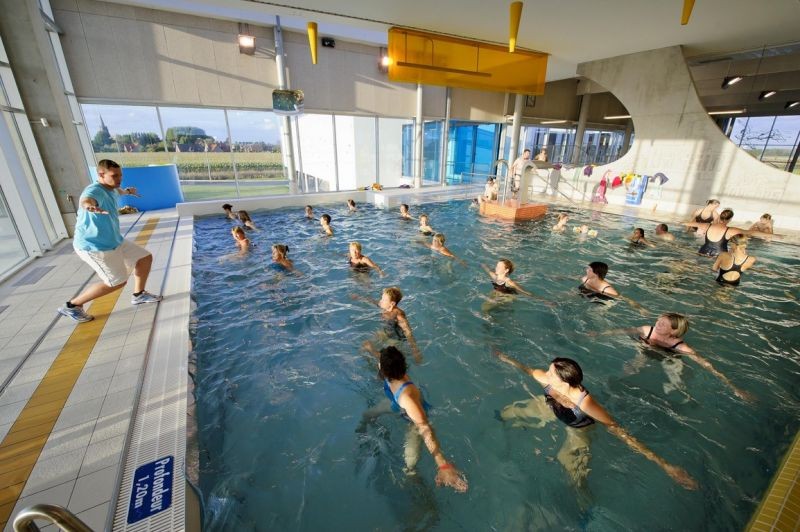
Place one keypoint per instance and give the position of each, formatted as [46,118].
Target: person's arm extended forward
[90,204]
[598,413]
[406,327]
[447,474]
[705,364]
[365,299]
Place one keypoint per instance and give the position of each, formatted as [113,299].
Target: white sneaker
[145,297]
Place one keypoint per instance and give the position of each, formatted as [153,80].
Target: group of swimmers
[564,396]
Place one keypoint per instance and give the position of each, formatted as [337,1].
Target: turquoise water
[281,383]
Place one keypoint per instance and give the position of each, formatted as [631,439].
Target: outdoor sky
[246,126]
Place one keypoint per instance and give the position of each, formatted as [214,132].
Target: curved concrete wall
[675,135]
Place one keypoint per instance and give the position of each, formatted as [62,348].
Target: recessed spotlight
[767,94]
[731,80]
[728,112]
[548,122]
[616,117]
[790,105]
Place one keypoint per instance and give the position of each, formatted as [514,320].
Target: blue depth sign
[152,489]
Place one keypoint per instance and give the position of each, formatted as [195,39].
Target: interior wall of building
[676,136]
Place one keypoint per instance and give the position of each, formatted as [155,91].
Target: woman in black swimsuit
[716,234]
[731,264]
[667,334]
[566,399]
[359,262]
[594,284]
[705,215]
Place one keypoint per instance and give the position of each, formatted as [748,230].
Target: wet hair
[356,245]
[403,206]
[238,231]
[326,218]
[525,150]
[227,207]
[421,216]
[766,216]
[508,264]
[309,208]
[562,215]
[738,240]
[243,216]
[662,227]
[568,371]
[393,363]
[283,249]
[726,215]
[439,237]
[394,293]
[678,322]
[489,179]
[600,269]
[107,164]
[640,231]
[709,202]
[351,203]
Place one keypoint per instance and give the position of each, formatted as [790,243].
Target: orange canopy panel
[421,57]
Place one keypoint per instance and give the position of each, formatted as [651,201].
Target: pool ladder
[61,517]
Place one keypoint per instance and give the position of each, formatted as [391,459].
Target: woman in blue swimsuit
[567,400]
[406,398]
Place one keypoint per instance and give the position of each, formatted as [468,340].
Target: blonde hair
[423,217]
[678,322]
[394,293]
[738,240]
[283,249]
[439,238]
[238,230]
[356,245]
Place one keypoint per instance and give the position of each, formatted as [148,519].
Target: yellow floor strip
[780,508]
[23,444]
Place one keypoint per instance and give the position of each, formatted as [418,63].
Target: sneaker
[76,313]
[145,297]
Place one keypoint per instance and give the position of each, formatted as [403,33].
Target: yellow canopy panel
[421,57]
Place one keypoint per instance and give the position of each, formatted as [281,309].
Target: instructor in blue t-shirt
[99,242]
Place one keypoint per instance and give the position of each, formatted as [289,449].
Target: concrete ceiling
[572,31]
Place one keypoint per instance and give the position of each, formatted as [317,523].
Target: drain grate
[33,276]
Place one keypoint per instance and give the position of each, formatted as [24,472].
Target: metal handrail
[61,517]
[496,168]
[560,180]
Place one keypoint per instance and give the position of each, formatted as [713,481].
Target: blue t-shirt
[94,231]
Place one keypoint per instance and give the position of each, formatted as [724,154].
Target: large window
[771,139]
[395,150]
[599,146]
[256,147]
[356,153]
[12,252]
[316,144]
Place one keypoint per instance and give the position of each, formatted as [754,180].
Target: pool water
[282,384]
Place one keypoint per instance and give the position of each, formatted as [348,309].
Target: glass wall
[356,154]
[771,139]
[256,146]
[599,146]
[395,150]
[12,251]
[315,133]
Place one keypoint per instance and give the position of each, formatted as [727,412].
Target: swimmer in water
[309,212]
[718,234]
[561,226]
[279,252]
[406,398]
[351,205]
[228,208]
[567,400]
[239,236]
[662,233]
[705,215]
[325,222]
[501,282]
[437,245]
[730,264]
[667,334]
[246,221]
[594,286]
[360,262]
[584,230]
[424,228]
[395,322]
[404,214]
[763,225]
[638,239]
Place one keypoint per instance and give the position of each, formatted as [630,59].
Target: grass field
[213,158]
[206,192]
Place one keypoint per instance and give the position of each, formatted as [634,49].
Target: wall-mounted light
[728,112]
[247,41]
[767,94]
[548,122]
[791,105]
[616,117]
[731,80]
[384,61]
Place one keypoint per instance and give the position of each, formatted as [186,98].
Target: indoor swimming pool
[282,382]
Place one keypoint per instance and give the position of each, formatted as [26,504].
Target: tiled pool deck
[82,406]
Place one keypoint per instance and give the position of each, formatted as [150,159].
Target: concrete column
[418,140]
[445,133]
[286,123]
[515,128]
[586,101]
[35,69]
[626,141]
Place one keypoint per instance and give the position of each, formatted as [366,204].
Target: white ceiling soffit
[572,31]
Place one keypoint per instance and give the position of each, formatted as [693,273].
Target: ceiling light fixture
[767,94]
[515,14]
[547,122]
[728,112]
[731,80]
[790,105]
[616,117]
[247,41]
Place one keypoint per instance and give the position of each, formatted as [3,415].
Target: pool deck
[82,406]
